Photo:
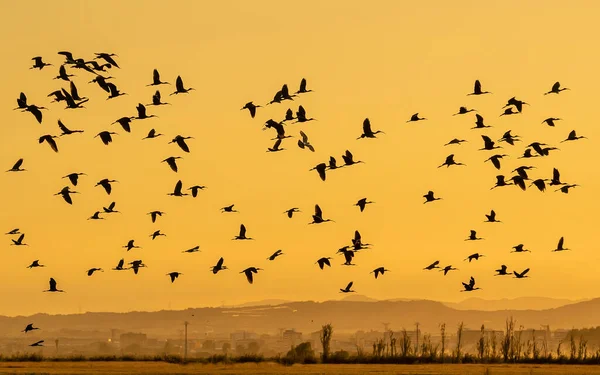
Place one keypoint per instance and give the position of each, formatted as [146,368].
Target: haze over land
[384,61]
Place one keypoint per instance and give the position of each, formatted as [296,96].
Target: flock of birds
[73,100]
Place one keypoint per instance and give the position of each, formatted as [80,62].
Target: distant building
[129,338]
[292,336]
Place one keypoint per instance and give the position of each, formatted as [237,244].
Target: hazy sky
[384,60]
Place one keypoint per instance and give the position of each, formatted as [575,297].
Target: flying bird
[179,89]
[275,255]
[194,249]
[91,271]
[38,63]
[321,168]
[560,247]
[49,139]
[348,288]
[432,265]
[65,130]
[251,107]
[479,122]
[106,184]
[470,286]
[29,327]
[155,214]
[448,269]
[477,89]
[19,241]
[362,203]
[496,160]
[249,273]
[450,161]
[520,249]
[522,274]
[125,123]
[219,266]
[455,141]
[556,89]
[131,245]
[416,117]
[491,218]
[573,137]
[152,134]
[473,236]
[318,216]
[475,256]
[228,209]
[156,79]
[195,190]
[35,264]
[502,271]
[242,234]
[303,89]
[119,266]
[429,197]
[304,142]
[177,190]
[463,111]
[108,57]
[53,286]
[66,194]
[291,212]
[156,99]
[322,262]
[156,234]
[110,209]
[550,121]
[367,132]
[379,271]
[174,275]
[180,141]
[17,166]
[106,136]
[172,162]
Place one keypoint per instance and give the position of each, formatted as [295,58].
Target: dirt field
[88,368]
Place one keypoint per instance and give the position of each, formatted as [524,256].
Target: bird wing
[357,236]
[113,89]
[36,113]
[495,162]
[155,77]
[74,93]
[20,240]
[242,230]
[304,137]
[249,276]
[303,85]
[63,127]
[556,86]
[472,282]
[555,175]
[141,110]
[318,211]
[277,144]
[112,206]
[525,272]
[572,134]
[181,143]
[18,164]
[220,263]
[179,84]
[367,126]
[560,243]
[52,284]
[479,117]
[178,187]
[477,88]
[349,285]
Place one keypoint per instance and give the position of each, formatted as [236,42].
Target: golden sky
[383,60]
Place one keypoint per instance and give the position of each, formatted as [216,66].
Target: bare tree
[443,335]
[459,332]
[326,333]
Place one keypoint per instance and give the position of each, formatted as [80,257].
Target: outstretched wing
[318,211]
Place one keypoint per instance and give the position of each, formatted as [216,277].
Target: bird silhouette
[156,99]
[179,88]
[496,160]
[219,266]
[174,275]
[53,287]
[114,91]
[177,190]
[520,249]
[276,145]
[475,256]
[322,262]
[470,286]
[291,212]
[556,89]
[362,203]
[194,249]
[66,194]
[559,246]
[522,274]
[367,132]
[321,168]
[152,134]
[488,144]
[502,271]
[228,209]
[473,236]
[131,245]
[50,140]
[141,110]
[106,136]
[136,265]
[251,107]
[416,117]
[275,255]
[38,63]
[19,241]
[491,218]
[108,57]
[17,166]
[125,123]
[463,111]
[302,89]
[96,216]
[172,162]
[13,231]
[301,115]
[242,234]
[156,234]
[432,265]
[477,89]
[180,141]
[91,271]
[573,137]
[349,159]
[348,288]
[509,138]
[119,266]
[65,130]
[379,271]
[195,189]
[35,264]
[304,142]
[565,188]
[155,214]
[249,273]
[318,216]
[429,197]
[450,161]
[62,74]
[550,121]
[29,328]
[38,343]
[106,184]
[156,79]
[455,141]
[448,269]
[500,181]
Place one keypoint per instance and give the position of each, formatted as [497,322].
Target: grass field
[89,368]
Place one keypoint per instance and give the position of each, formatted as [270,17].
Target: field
[273,368]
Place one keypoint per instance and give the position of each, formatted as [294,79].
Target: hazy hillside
[522,303]
[306,317]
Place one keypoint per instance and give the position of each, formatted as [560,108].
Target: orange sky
[384,60]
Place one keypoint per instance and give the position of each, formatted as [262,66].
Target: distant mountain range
[474,303]
[347,316]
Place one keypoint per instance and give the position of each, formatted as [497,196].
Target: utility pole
[185,345]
